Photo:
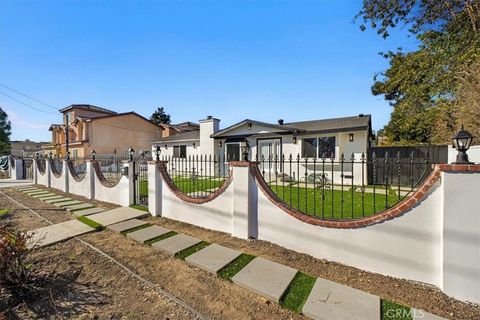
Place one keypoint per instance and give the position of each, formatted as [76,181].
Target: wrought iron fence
[41,164]
[339,188]
[79,166]
[197,176]
[57,165]
[140,166]
[28,168]
[112,167]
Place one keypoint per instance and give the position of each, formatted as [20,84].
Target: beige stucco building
[105,131]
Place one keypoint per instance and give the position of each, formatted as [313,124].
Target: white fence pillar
[90,174]
[48,173]
[131,181]
[245,222]
[16,172]
[154,189]
[66,176]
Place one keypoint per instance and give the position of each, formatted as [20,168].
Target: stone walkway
[327,299]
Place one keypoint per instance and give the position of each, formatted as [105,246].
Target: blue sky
[264,60]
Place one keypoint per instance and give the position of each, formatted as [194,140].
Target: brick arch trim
[100,176]
[73,173]
[162,167]
[55,174]
[397,210]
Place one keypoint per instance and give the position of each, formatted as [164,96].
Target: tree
[5,132]
[160,116]
[434,89]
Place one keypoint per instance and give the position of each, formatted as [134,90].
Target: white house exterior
[270,142]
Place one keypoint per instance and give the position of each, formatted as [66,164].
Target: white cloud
[18,121]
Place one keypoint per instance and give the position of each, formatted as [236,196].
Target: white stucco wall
[461,235]
[59,183]
[44,179]
[85,187]
[118,194]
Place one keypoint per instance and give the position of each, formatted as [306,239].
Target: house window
[317,147]
[232,151]
[326,145]
[180,152]
[309,147]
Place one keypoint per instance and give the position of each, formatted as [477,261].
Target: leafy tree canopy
[434,89]
[5,132]
[160,116]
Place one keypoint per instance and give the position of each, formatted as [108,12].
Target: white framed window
[180,152]
[318,146]
[232,151]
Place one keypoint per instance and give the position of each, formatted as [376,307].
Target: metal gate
[141,181]
[416,161]
[28,169]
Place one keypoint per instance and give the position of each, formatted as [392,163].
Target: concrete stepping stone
[45,197]
[80,206]
[117,215]
[267,278]
[66,203]
[420,314]
[42,195]
[57,232]
[175,244]
[87,212]
[330,300]
[126,225]
[213,258]
[62,199]
[37,192]
[26,188]
[31,190]
[147,233]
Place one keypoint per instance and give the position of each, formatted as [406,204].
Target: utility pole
[66,135]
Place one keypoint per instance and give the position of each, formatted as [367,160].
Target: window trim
[180,151]
[239,150]
[317,147]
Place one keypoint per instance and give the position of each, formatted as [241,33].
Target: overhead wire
[29,97]
[26,104]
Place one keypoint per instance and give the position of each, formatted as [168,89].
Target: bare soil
[206,293]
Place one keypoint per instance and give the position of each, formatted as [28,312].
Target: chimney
[208,126]
[280,122]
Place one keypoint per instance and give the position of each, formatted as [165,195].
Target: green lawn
[334,204]
[189,185]
[235,266]
[298,291]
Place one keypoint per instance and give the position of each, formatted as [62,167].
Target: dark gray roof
[87,107]
[188,135]
[346,123]
[304,127]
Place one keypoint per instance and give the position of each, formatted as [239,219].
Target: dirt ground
[206,293]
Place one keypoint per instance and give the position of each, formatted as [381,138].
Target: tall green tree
[433,89]
[160,116]
[5,132]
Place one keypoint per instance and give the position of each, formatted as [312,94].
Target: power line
[26,104]
[29,97]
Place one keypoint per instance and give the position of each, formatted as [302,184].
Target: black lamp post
[245,151]
[131,153]
[461,142]
[67,157]
[93,154]
[157,153]
[50,155]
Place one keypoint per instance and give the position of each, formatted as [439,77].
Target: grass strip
[297,292]
[235,266]
[160,238]
[189,251]
[138,207]
[4,212]
[143,226]
[393,311]
[97,226]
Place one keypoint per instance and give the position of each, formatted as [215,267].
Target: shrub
[14,269]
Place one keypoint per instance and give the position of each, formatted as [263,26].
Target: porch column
[245,201]
[154,189]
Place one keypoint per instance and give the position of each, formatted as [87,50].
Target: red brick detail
[101,178]
[397,210]
[181,195]
[239,163]
[73,173]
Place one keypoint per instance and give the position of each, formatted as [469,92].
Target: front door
[269,152]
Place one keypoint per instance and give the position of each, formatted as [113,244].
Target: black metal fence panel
[339,188]
[140,166]
[27,168]
[197,176]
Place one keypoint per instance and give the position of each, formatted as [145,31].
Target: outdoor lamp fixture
[50,155]
[67,157]
[245,151]
[131,153]
[194,145]
[350,137]
[93,154]
[37,155]
[166,147]
[294,140]
[220,144]
[461,142]
[157,152]
[249,127]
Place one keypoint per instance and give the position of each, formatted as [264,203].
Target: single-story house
[314,138]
